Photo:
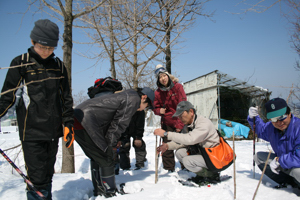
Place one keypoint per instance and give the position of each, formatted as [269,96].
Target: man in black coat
[99,123]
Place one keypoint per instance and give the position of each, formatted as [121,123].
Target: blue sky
[251,47]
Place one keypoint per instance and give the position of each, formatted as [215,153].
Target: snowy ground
[140,184]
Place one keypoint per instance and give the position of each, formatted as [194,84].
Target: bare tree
[101,27]
[80,97]
[134,47]
[116,29]
[66,14]
[133,33]
[174,18]
[126,76]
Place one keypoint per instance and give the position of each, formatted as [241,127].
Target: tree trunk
[112,48]
[168,42]
[68,159]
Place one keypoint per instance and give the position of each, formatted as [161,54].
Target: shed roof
[225,80]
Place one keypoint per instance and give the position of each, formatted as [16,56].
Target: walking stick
[156,153]
[156,161]
[234,171]
[253,144]
[29,183]
[262,174]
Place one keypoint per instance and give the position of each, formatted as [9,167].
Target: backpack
[104,84]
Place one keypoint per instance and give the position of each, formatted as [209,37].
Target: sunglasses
[280,118]
[159,70]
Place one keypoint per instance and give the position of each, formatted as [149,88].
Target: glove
[253,112]
[138,143]
[274,165]
[69,134]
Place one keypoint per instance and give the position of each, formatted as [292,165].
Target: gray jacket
[202,132]
[106,117]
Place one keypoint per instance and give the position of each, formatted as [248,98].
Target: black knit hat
[45,33]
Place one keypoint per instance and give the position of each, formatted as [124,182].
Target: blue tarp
[238,128]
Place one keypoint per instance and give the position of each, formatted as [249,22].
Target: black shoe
[171,171]
[138,168]
[110,194]
[197,179]
[126,169]
[205,180]
[282,185]
[99,191]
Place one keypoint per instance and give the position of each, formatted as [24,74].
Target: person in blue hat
[283,132]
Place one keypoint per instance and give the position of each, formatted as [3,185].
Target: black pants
[140,155]
[103,175]
[284,176]
[40,157]
[91,150]
[168,158]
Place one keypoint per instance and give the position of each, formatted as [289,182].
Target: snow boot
[95,174]
[205,177]
[45,190]
[107,176]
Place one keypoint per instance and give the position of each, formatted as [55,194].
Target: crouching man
[99,123]
[198,131]
[283,132]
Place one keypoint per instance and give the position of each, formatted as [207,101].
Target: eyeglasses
[161,69]
[46,48]
[280,118]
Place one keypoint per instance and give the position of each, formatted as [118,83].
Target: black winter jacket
[106,117]
[136,126]
[43,106]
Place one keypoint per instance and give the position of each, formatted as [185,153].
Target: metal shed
[218,95]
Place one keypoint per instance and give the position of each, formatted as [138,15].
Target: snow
[140,183]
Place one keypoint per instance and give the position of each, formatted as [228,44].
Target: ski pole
[23,176]
[253,144]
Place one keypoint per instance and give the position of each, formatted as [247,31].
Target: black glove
[69,134]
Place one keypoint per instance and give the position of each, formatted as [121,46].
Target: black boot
[107,176]
[95,174]
[206,176]
[44,189]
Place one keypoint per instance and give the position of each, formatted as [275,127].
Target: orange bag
[218,158]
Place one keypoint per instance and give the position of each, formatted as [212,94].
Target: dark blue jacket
[286,147]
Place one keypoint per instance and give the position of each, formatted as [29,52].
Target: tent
[218,94]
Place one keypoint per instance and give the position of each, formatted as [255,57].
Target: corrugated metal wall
[204,101]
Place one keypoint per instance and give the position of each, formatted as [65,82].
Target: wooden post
[262,175]
[156,162]
[234,177]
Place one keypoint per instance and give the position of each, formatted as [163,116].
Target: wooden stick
[234,177]
[253,147]
[156,162]
[262,175]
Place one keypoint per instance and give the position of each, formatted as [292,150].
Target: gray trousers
[193,163]
[289,176]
